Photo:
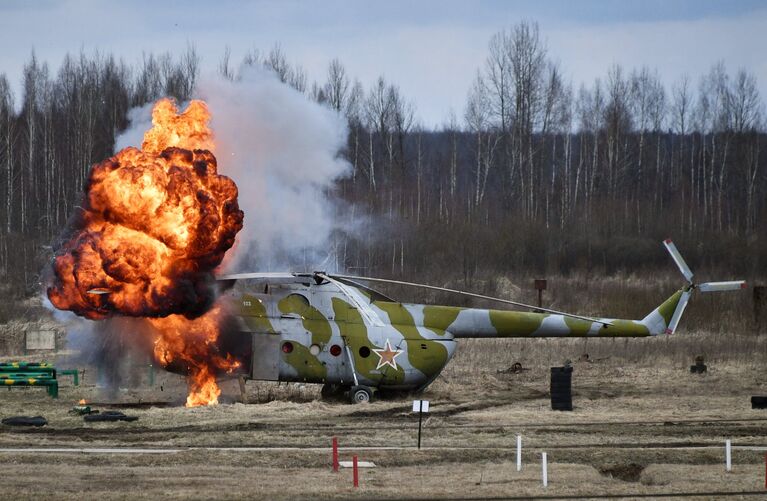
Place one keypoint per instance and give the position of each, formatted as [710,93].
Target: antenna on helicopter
[704,287]
[471,294]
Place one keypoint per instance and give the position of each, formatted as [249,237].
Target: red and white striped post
[356,472]
[335,455]
[765,471]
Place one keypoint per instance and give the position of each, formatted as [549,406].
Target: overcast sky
[431,49]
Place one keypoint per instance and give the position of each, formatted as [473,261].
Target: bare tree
[224,68]
[744,102]
[477,116]
[498,78]
[7,138]
[681,105]
[377,111]
[527,56]
[337,86]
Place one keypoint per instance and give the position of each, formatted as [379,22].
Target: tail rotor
[687,291]
[678,259]
[733,285]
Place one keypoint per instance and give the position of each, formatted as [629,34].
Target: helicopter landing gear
[360,394]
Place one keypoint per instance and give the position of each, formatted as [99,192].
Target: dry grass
[641,388]
[469,436]
[678,350]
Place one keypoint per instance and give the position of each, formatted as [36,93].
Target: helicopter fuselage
[308,332]
[304,329]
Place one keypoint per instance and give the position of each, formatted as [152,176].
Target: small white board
[360,464]
[417,405]
[41,340]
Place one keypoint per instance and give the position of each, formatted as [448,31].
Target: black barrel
[561,388]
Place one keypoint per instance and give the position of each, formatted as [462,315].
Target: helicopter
[333,330]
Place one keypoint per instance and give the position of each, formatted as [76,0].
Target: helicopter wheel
[360,394]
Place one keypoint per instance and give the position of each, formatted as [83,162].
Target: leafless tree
[337,86]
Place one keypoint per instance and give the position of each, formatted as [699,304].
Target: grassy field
[642,424]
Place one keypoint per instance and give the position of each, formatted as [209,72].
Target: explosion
[154,224]
[192,343]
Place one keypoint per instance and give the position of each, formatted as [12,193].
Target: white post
[728,454]
[519,452]
[545,470]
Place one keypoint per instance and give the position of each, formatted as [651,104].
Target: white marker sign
[420,405]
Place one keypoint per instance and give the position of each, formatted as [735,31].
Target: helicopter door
[266,356]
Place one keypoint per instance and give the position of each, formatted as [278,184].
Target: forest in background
[534,176]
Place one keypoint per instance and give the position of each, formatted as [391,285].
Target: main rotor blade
[678,312]
[733,285]
[471,294]
[678,259]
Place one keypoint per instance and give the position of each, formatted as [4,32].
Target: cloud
[430,49]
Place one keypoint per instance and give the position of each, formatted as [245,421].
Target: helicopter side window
[294,305]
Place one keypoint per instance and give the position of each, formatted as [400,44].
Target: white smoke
[282,150]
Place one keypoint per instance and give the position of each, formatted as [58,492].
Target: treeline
[534,175]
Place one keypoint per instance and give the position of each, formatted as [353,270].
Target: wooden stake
[243,393]
[335,455]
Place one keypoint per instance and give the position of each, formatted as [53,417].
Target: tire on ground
[360,394]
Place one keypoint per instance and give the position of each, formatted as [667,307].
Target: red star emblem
[387,356]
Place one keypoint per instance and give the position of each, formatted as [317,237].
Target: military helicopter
[333,330]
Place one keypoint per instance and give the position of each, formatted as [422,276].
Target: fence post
[519,452]
[728,455]
[335,455]
[545,469]
[356,472]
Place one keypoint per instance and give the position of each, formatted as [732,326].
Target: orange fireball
[154,224]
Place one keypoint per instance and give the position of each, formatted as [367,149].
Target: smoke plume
[282,150]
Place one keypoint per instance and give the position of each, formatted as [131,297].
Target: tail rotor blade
[678,312]
[678,259]
[722,286]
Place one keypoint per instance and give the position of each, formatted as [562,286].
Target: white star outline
[387,356]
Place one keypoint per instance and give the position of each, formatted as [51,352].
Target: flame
[153,226]
[188,130]
[81,402]
[192,343]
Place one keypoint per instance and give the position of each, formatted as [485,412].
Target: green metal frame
[75,373]
[30,374]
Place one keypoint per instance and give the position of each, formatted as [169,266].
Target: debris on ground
[516,368]
[25,421]
[700,367]
[586,358]
[109,416]
[82,410]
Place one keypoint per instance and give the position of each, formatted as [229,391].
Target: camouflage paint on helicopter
[335,331]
